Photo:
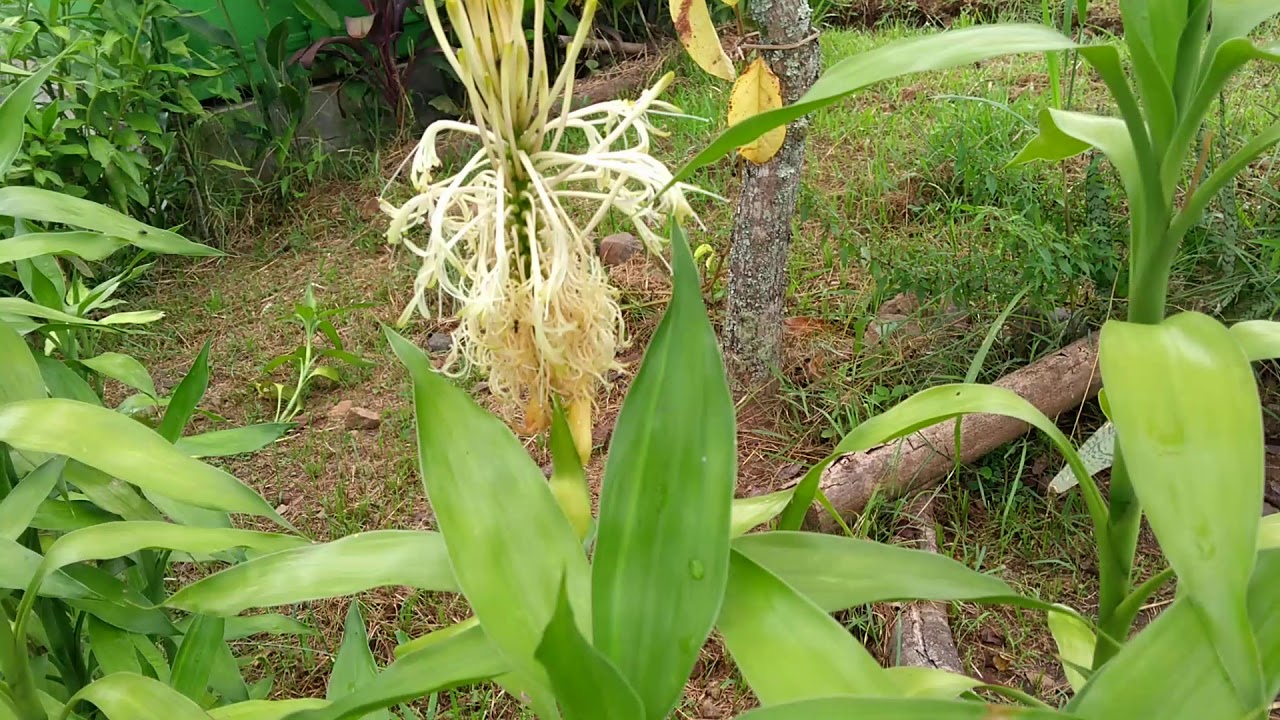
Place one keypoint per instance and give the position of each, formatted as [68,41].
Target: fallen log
[922,635]
[1054,384]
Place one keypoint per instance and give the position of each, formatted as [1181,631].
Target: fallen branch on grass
[1054,384]
[922,636]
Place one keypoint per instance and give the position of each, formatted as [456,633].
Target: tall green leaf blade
[839,572]
[112,495]
[24,499]
[31,203]
[508,541]
[343,567]
[1075,643]
[568,480]
[848,708]
[586,684]
[13,112]
[113,647]
[19,564]
[125,696]
[63,382]
[128,450]
[1238,18]
[354,666]
[26,308]
[21,378]
[90,246]
[462,659]
[1259,339]
[232,441]
[196,655]
[1065,133]
[751,512]
[901,57]
[266,709]
[1185,405]
[788,648]
[124,368]
[186,396]
[662,550]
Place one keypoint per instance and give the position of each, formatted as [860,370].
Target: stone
[618,248]
[358,418]
[340,410]
[440,342]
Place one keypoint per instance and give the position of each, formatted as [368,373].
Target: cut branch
[923,634]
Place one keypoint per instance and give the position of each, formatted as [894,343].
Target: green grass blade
[847,708]
[196,655]
[508,541]
[462,659]
[233,441]
[901,57]
[1259,339]
[1186,410]
[24,499]
[839,572]
[662,549]
[787,647]
[587,685]
[354,666]
[46,206]
[128,450]
[125,696]
[21,378]
[411,558]
[182,405]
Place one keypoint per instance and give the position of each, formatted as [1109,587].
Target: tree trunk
[767,202]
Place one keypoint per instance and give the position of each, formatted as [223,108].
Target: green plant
[307,360]
[116,110]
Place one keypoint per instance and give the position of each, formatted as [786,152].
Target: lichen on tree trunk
[767,202]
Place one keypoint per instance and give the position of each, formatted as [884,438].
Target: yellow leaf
[756,91]
[698,35]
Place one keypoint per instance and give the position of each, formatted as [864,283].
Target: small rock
[369,208]
[359,418]
[619,248]
[481,388]
[281,508]
[339,411]
[440,342]
[901,304]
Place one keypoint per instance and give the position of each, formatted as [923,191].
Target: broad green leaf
[182,405]
[1269,532]
[751,512]
[18,565]
[90,246]
[31,203]
[839,572]
[319,11]
[125,696]
[68,515]
[1259,339]
[1185,405]
[233,441]
[113,647]
[63,382]
[508,541]
[124,368]
[929,682]
[265,709]
[848,708]
[128,450]
[243,626]
[587,685]
[109,493]
[21,377]
[20,505]
[435,636]
[1075,643]
[354,666]
[133,317]
[196,655]
[660,567]
[225,679]
[789,648]
[348,566]
[900,57]
[1238,18]
[1064,134]
[463,659]
[13,112]
[26,308]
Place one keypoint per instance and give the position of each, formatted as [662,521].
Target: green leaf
[848,708]
[113,647]
[90,246]
[929,682]
[901,57]
[750,512]
[265,709]
[325,371]
[354,666]
[109,493]
[508,542]
[568,480]
[186,397]
[20,505]
[319,11]
[128,450]
[18,565]
[1065,134]
[66,515]
[839,572]
[124,696]
[63,382]
[26,308]
[233,441]
[1075,643]
[1237,18]
[660,568]
[787,647]
[196,655]
[46,206]
[134,317]
[348,566]
[143,122]
[124,368]
[1185,405]
[462,659]
[587,685]
[21,377]
[1259,339]
[13,112]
